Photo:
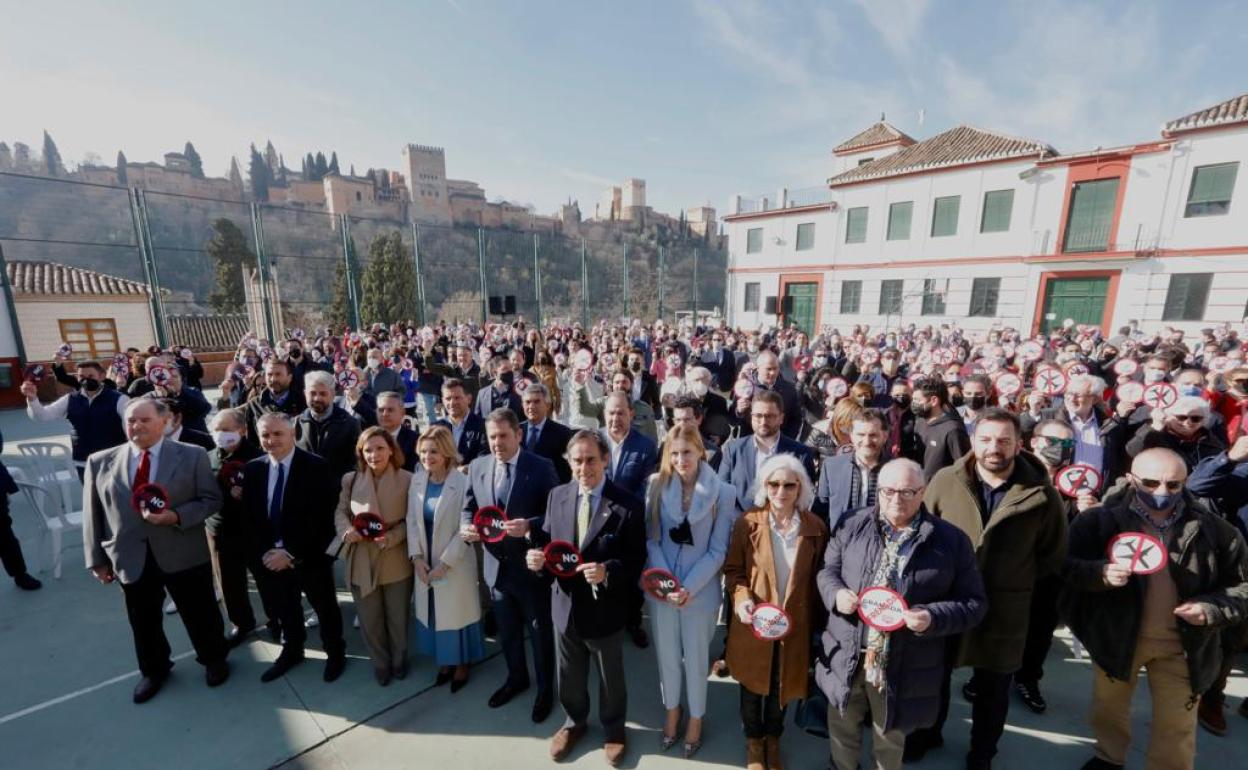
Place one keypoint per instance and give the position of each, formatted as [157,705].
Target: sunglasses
[1064,443]
[1171,486]
[785,485]
[1194,419]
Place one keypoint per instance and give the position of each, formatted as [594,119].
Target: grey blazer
[114,534]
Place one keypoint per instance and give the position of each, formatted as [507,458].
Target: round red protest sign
[158,375]
[1074,480]
[1142,552]
[1130,392]
[1125,367]
[121,360]
[870,355]
[522,384]
[945,356]
[562,558]
[489,522]
[65,350]
[1075,368]
[230,474]
[1160,395]
[801,363]
[348,379]
[152,498]
[34,372]
[583,359]
[743,389]
[659,583]
[1050,381]
[770,623]
[881,608]
[1030,350]
[836,387]
[368,524]
[1008,383]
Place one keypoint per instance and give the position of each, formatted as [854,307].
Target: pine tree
[388,283]
[352,169]
[310,163]
[236,176]
[258,173]
[270,159]
[123,178]
[231,256]
[333,164]
[322,167]
[52,164]
[197,163]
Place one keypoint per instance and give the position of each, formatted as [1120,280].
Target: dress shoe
[638,635]
[1209,715]
[613,750]
[542,707]
[280,666]
[977,763]
[565,739]
[458,684]
[147,688]
[238,634]
[334,667]
[27,582]
[504,694]
[919,743]
[1031,696]
[215,674]
[382,675]
[444,676]
[1096,763]
[400,671]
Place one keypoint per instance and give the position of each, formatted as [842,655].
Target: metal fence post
[8,302]
[626,286]
[485,298]
[348,260]
[662,259]
[262,271]
[139,211]
[584,287]
[537,280]
[420,276]
[695,288]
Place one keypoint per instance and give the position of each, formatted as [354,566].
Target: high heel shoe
[667,741]
[444,676]
[691,748]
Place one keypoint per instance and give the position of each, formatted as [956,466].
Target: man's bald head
[901,473]
[1160,464]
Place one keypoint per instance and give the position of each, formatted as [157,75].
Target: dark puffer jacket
[940,576]
[1208,565]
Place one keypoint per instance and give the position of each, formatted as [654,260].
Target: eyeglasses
[904,494]
[785,485]
[1171,486]
[1195,419]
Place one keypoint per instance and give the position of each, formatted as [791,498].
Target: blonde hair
[667,470]
[841,422]
[443,441]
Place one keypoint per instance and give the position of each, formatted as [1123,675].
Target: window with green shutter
[856,225]
[899,215]
[998,205]
[934,290]
[806,236]
[1091,215]
[1211,190]
[851,296]
[945,216]
[1187,296]
[984,293]
[753,240]
[890,297]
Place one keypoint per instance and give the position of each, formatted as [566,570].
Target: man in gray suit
[150,552]
[381,379]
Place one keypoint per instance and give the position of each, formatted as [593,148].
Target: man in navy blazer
[519,482]
[722,363]
[743,456]
[467,428]
[769,379]
[607,525]
[541,434]
[390,419]
[847,480]
[500,393]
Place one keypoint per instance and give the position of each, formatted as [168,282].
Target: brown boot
[773,753]
[755,754]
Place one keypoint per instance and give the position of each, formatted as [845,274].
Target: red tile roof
[51,279]
[955,147]
[880,133]
[1234,110]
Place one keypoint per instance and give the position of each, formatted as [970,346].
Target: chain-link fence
[202,271]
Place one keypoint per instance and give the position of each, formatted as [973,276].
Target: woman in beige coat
[378,571]
[448,608]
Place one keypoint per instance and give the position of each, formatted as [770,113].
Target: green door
[804,297]
[1082,299]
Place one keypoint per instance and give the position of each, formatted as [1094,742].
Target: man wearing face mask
[1100,435]
[882,378]
[721,362]
[177,430]
[1167,622]
[645,386]
[380,379]
[902,441]
[974,399]
[716,424]
[1192,382]
[937,426]
[500,394]
[1181,429]
[228,536]
[94,412]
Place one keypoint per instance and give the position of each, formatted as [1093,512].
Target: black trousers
[762,715]
[233,560]
[1040,628]
[286,589]
[525,608]
[10,548]
[191,590]
[577,656]
[988,712]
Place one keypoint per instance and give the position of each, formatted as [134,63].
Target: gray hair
[389,395]
[1095,385]
[784,462]
[539,389]
[1190,405]
[232,414]
[161,407]
[594,436]
[318,377]
[281,417]
[907,465]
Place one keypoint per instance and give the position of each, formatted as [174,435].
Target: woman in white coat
[689,515]
[448,610]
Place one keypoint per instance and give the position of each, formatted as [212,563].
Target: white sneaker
[170,607]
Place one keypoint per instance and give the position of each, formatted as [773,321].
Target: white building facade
[982,229]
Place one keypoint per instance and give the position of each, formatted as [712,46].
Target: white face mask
[226,439]
[374,363]
[697,388]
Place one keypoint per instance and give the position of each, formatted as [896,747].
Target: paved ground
[68,668]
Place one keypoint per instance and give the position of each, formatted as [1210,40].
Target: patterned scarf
[888,574]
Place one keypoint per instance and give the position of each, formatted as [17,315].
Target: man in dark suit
[517,481]
[289,496]
[721,362]
[379,378]
[769,379]
[541,434]
[688,411]
[645,386]
[631,459]
[499,394]
[390,419]
[607,525]
[325,429]
[467,428]
[847,481]
[716,423]
[151,552]
[743,456]
[179,430]
[191,406]
[465,370]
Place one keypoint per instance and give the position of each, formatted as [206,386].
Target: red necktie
[145,468]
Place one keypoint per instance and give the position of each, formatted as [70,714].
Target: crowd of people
[865,511]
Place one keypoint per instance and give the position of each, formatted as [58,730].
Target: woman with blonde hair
[689,514]
[378,572]
[448,608]
[773,558]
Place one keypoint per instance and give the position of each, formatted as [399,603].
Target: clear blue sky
[541,101]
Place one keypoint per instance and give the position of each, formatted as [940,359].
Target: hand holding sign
[769,623]
[1076,479]
[659,583]
[562,558]
[489,522]
[1161,395]
[368,525]
[152,503]
[882,608]
[1139,552]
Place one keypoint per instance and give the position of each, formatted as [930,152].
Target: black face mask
[902,402]
[90,385]
[957,399]
[507,378]
[976,402]
[920,409]
[635,366]
[295,352]
[1056,455]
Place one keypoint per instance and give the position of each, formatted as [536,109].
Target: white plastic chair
[56,521]
[52,466]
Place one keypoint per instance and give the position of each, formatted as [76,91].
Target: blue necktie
[532,442]
[275,503]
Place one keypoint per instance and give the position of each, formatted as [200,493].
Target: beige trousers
[1172,742]
[385,616]
[845,732]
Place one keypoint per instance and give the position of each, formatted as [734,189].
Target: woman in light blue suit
[689,515]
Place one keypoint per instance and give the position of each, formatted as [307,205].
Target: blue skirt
[450,648]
